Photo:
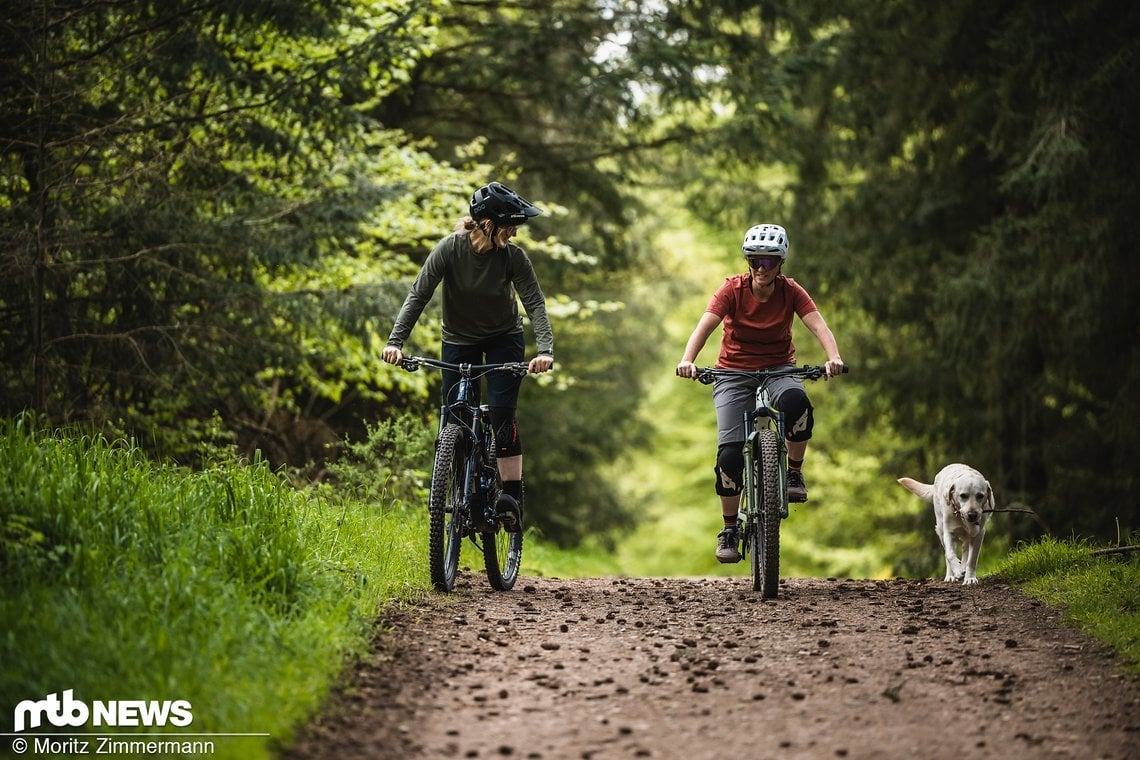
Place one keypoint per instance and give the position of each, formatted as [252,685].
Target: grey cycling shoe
[728,545]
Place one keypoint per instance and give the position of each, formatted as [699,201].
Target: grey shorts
[733,396]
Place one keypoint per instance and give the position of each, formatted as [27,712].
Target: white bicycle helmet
[769,239]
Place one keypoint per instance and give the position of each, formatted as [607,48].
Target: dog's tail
[924,491]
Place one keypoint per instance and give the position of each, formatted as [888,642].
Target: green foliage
[251,196]
[198,220]
[1100,593]
[986,169]
[535,84]
[568,126]
[225,587]
[391,465]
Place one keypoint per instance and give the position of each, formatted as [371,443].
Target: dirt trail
[696,668]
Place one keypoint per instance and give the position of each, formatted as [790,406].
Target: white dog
[962,501]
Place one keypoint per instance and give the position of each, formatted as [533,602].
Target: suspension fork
[750,493]
[772,415]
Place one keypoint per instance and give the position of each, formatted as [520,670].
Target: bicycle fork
[751,506]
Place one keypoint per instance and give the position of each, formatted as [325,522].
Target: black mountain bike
[764,500]
[465,482]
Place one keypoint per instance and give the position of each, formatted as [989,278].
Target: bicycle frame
[480,483]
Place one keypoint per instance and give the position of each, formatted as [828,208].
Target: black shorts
[502,387]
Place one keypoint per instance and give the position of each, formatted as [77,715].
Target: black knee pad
[507,440]
[730,469]
[799,417]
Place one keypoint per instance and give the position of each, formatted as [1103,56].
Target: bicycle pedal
[509,512]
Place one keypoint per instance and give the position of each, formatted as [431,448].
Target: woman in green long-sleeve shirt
[481,271]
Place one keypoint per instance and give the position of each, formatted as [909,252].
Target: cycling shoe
[510,513]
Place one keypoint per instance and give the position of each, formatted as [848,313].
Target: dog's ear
[950,501]
[990,496]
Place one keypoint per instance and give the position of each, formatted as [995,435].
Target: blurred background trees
[210,213]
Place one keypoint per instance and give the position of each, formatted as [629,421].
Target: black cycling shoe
[510,513]
[797,489]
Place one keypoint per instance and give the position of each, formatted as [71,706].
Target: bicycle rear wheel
[502,551]
[447,507]
[766,555]
[502,555]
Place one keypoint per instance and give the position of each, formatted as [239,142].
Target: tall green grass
[123,579]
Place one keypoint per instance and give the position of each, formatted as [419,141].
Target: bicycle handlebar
[707,375]
[412,363]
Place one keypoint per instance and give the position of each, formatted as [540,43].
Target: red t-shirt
[758,335]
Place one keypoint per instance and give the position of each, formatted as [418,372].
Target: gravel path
[695,668]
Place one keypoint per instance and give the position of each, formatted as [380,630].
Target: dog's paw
[970,581]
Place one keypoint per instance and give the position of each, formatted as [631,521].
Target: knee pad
[507,440]
[799,417]
[730,469]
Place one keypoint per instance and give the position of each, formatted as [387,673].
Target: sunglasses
[764,262]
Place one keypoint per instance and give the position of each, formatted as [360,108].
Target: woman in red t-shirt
[757,308]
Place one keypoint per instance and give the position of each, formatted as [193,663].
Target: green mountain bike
[764,500]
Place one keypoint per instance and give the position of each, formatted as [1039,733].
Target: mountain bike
[465,482]
[764,499]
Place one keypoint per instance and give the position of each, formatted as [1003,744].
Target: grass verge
[1099,593]
[227,588]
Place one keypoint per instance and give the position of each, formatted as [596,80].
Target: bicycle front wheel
[766,555]
[447,507]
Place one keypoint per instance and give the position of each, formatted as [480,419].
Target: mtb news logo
[72,712]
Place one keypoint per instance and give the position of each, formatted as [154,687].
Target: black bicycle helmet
[502,205]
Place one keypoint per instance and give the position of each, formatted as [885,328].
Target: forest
[210,213]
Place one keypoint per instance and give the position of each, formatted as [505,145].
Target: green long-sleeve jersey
[478,294]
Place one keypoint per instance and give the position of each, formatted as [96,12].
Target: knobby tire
[502,551]
[766,557]
[447,507]
[502,556]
